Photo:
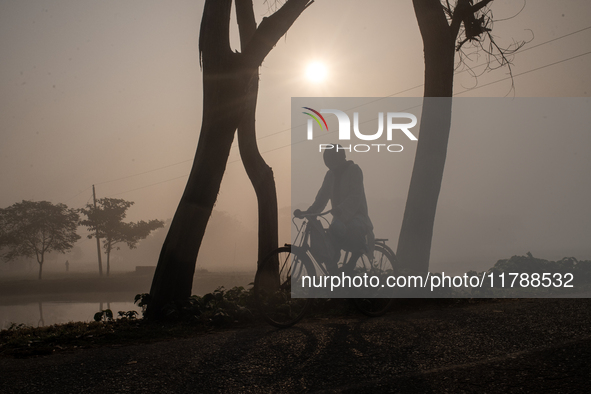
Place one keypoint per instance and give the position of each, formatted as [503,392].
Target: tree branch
[247,24]
[464,12]
[214,36]
[477,7]
[462,8]
[271,29]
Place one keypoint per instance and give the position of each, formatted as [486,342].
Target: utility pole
[98,242]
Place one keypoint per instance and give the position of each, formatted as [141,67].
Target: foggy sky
[109,93]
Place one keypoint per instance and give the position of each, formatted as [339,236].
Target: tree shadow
[344,354]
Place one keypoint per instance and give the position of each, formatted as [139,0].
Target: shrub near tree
[106,222]
[34,228]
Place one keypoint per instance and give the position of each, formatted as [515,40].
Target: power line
[393,94]
[554,39]
[390,95]
[153,184]
[525,72]
[517,53]
[71,198]
[459,72]
[142,173]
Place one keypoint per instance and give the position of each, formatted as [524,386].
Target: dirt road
[494,347]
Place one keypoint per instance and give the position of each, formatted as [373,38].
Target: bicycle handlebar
[306,215]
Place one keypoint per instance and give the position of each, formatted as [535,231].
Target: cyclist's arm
[323,194]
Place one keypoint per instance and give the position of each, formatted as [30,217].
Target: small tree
[106,220]
[31,229]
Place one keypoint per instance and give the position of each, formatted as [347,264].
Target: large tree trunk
[261,177]
[223,84]
[414,244]
[226,77]
[259,173]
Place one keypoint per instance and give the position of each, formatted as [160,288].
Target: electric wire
[465,91]
[523,73]
[391,95]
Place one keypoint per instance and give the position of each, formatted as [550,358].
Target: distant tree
[32,229]
[106,220]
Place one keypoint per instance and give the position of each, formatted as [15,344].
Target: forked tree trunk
[414,244]
[226,77]
[40,258]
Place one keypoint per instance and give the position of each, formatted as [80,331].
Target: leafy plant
[142,299]
[218,307]
[15,326]
[104,315]
[130,315]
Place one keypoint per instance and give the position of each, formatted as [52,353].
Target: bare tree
[445,30]
[227,76]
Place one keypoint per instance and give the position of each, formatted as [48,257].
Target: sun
[316,72]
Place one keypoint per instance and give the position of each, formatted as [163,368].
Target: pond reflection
[41,321]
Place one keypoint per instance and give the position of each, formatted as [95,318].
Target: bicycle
[294,261]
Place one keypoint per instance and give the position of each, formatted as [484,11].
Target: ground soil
[498,346]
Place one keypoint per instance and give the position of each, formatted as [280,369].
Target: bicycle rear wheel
[273,294]
[382,266]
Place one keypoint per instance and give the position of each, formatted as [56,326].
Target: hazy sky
[109,92]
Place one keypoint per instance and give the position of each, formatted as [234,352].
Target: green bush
[218,308]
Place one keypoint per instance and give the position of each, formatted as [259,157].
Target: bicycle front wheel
[382,265]
[273,283]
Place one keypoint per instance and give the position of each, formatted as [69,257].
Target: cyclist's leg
[335,235]
[350,266]
[348,236]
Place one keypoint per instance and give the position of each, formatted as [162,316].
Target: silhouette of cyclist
[351,228]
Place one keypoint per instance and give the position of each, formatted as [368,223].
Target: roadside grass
[18,341]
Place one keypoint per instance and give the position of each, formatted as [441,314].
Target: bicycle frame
[302,242]
[277,302]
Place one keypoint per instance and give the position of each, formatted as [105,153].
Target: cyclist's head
[335,157]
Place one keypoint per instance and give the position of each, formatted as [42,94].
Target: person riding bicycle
[351,228]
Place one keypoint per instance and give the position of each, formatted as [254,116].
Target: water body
[77,297]
[47,313]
